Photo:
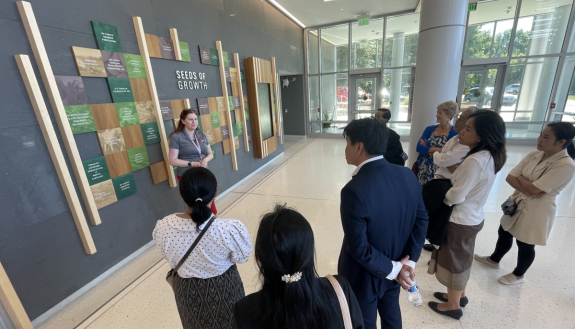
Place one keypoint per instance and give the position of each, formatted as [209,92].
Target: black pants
[525,257]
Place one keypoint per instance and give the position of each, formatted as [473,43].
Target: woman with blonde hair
[434,138]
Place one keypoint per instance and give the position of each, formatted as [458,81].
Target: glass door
[364,95]
[481,86]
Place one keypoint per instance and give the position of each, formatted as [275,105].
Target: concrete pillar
[439,50]
[395,85]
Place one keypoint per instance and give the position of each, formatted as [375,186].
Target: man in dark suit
[384,222]
[394,153]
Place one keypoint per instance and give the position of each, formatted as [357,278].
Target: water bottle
[413,294]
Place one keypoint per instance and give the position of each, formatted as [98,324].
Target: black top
[244,308]
[394,149]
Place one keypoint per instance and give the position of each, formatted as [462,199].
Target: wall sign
[184,76]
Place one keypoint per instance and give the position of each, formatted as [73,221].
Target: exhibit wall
[40,248]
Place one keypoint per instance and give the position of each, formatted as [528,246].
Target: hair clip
[292,278]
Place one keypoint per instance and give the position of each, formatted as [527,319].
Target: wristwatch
[189,164]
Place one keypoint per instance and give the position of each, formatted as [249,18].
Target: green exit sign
[363,22]
[472,7]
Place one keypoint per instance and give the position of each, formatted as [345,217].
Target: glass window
[334,94]
[401,37]
[541,27]
[367,45]
[313,52]
[489,29]
[333,128]
[565,97]
[314,108]
[335,49]
[395,92]
[527,90]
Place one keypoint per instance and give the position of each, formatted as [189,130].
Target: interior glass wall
[401,38]
[367,44]
[334,94]
[335,49]
[313,52]
[565,97]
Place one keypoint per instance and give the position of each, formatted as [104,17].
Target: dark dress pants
[388,307]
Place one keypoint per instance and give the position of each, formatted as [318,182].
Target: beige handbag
[342,302]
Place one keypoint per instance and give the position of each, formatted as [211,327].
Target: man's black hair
[386,113]
[369,131]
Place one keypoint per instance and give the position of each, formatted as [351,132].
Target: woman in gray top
[189,147]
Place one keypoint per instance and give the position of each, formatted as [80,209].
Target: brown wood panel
[236,89]
[159,172]
[141,90]
[217,135]
[118,164]
[221,105]
[153,45]
[105,116]
[178,106]
[213,104]
[206,122]
[227,146]
[133,136]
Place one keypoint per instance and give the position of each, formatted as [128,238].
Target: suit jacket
[384,219]
[394,150]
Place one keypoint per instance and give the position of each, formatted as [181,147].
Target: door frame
[498,88]
[352,93]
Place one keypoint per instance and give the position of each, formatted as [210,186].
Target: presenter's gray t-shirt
[188,152]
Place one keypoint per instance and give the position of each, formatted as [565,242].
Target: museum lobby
[95,94]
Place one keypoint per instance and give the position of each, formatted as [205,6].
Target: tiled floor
[309,177]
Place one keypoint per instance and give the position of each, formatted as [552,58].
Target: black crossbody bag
[173,272]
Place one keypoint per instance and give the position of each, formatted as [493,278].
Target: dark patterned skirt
[208,303]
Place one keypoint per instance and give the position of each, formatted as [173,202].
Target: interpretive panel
[227,74]
[225,133]
[138,158]
[89,62]
[96,170]
[221,104]
[151,133]
[104,194]
[203,106]
[80,118]
[124,186]
[135,66]
[127,114]
[146,112]
[167,113]
[115,64]
[167,48]
[107,37]
[226,59]
[111,141]
[236,100]
[205,55]
[120,90]
[185,51]
[71,90]
[215,120]
[214,57]
[264,101]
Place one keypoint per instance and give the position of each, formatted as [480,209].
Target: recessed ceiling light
[342,9]
[232,14]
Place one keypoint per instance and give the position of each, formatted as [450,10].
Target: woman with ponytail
[207,284]
[537,180]
[292,295]
[189,147]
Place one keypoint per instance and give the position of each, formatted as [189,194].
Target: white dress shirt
[226,242]
[396,265]
[452,153]
[472,182]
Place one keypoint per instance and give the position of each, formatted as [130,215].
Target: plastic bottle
[413,294]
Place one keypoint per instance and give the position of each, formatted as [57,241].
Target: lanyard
[198,146]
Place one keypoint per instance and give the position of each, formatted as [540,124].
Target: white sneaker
[483,259]
[511,279]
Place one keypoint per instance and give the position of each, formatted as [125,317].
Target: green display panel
[243,75]
[127,114]
[215,118]
[239,129]
[138,158]
[185,51]
[150,132]
[247,112]
[107,37]
[96,170]
[214,58]
[226,59]
[121,90]
[124,186]
[200,124]
[231,104]
[80,118]
[135,66]
[213,147]
[265,109]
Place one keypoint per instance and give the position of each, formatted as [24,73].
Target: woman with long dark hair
[537,180]
[292,294]
[207,284]
[484,133]
[189,147]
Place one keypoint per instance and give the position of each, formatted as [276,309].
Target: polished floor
[309,177]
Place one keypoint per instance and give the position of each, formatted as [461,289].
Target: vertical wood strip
[56,154]
[139,27]
[176,41]
[12,303]
[35,38]
[242,104]
[277,93]
[227,102]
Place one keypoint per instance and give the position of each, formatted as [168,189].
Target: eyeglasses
[460,118]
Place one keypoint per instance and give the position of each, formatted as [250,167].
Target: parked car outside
[512,89]
[474,95]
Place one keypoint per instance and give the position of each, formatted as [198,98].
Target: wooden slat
[56,154]
[12,303]
[139,27]
[174,35]
[252,74]
[278,105]
[241,95]
[226,100]
[35,38]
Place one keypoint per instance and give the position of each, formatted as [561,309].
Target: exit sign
[363,22]
[472,7]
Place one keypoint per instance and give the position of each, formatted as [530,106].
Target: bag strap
[342,302]
[181,262]
[549,167]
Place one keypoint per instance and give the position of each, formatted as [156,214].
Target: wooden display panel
[118,164]
[105,116]
[89,62]
[146,112]
[133,136]
[178,106]
[141,90]
[56,154]
[176,40]
[35,38]
[159,173]
[278,103]
[240,93]
[223,64]
[153,46]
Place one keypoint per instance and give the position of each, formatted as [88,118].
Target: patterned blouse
[427,169]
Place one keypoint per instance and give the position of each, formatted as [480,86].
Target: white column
[439,50]
[395,85]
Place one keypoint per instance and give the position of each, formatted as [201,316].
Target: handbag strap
[342,302]
[549,167]
[181,262]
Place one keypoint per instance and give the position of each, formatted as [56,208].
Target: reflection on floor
[309,177]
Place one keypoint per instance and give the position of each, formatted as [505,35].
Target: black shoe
[462,302]
[428,247]
[456,314]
